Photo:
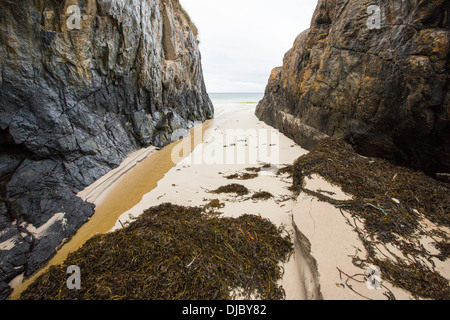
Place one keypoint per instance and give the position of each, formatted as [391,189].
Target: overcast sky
[241,41]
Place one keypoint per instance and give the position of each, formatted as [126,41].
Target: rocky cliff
[82,84]
[374,72]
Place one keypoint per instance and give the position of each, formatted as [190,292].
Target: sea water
[225,98]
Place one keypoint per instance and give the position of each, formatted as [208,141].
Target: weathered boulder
[376,75]
[82,84]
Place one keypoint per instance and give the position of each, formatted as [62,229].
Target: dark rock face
[83,84]
[385,90]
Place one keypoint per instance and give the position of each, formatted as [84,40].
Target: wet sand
[113,194]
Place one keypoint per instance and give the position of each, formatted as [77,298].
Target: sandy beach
[222,152]
[325,237]
[189,183]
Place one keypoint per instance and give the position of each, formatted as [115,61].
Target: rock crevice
[82,85]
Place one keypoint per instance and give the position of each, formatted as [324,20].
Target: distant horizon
[236,97]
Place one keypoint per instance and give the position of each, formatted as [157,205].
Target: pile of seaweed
[391,201]
[241,190]
[174,252]
[262,195]
[244,176]
[236,188]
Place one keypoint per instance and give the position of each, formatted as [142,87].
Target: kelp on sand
[391,201]
[236,188]
[175,252]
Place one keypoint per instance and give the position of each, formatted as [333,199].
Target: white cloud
[242,40]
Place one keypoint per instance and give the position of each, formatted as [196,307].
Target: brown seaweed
[173,252]
[285,169]
[243,176]
[215,204]
[232,188]
[262,195]
[391,201]
[248,176]
[253,169]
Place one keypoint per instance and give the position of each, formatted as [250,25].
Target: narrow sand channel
[113,194]
[233,141]
[233,144]
[238,141]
